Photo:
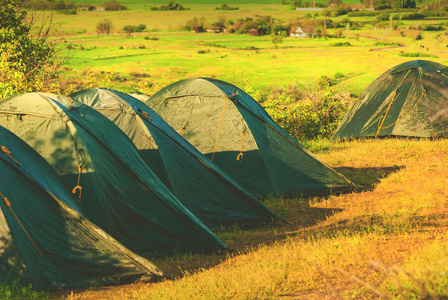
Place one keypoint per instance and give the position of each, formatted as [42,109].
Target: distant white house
[301,32]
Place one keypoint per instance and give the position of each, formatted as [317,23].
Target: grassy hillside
[172,56]
[386,240]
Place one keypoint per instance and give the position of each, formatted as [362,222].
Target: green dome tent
[44,240]
[235,132]
[409,100]
[118,191]
[209,193]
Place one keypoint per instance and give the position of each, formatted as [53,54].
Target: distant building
[357,6]
[301,32]
[87,8]
[199,29]
[257,32]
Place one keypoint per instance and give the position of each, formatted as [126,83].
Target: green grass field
[176,54]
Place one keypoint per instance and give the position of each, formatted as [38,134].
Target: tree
[104,27]
[276,39]
[128,29]
[296,3]
[27,62]
[326,13]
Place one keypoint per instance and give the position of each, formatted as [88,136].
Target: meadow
[166,54]
[388,239]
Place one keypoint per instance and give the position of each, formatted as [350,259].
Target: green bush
[340,44]
[418,54]
[316,114]
[27,62]
[113,6]
[413,16]
[226,7]
[18,291]
[431,27]
[171,5]
[362,13]
[387,44]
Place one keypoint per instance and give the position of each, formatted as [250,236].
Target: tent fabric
[120,193]
[68,250]
[409,100]
[209,193]
[236,133]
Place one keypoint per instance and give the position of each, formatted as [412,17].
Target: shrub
[413,16]
[171,5]
[418,54]
[226,7]
[28,62]
[382,7]
[362,13]
[104,27]
[316,114]
[386,44]
[430,27]
[340,44]
[383,17]
[16,290]
[113,6]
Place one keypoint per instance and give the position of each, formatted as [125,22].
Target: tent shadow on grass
[301,218]
[367,178]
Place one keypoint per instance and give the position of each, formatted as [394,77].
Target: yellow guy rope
[220,123]
[398,120]
[183,128]
[8,204]
[240,156]
[78,187]
[7,152]
[443,75]
[415,105]
[383,117]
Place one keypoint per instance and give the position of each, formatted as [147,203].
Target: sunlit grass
[388,240]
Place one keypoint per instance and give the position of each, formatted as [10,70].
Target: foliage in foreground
[18,291]
[28,62]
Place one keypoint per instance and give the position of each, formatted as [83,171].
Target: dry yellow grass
[383,242]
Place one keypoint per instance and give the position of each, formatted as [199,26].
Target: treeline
[171,5]
[226,7]
[69,5]
[264,25]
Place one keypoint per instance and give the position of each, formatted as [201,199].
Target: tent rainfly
[210,194]
[409,100]
[236,133]
[44,239]
[117,191]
